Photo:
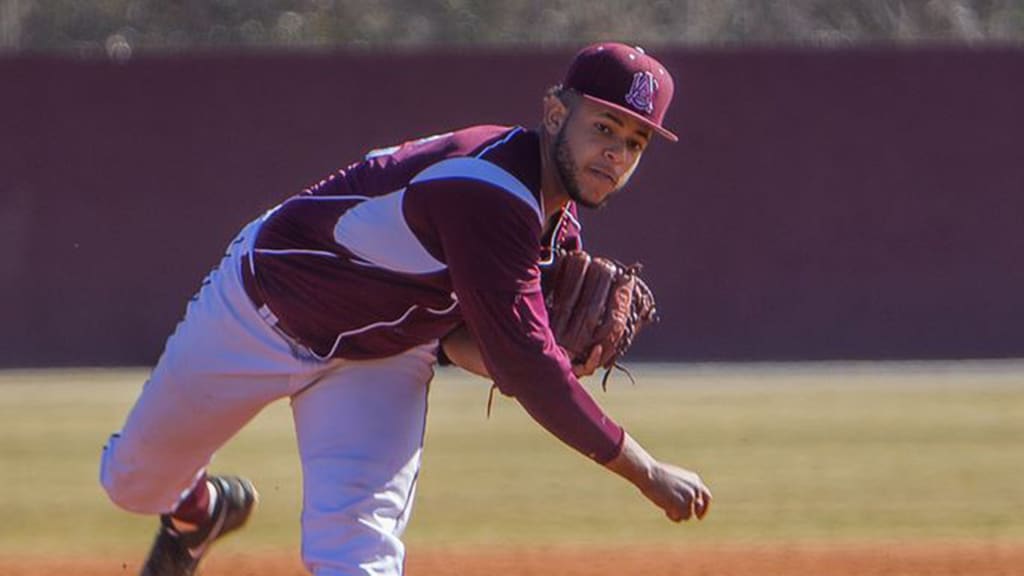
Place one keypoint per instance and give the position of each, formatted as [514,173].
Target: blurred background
[847,187]
[120,28]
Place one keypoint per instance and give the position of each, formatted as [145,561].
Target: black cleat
[178,554]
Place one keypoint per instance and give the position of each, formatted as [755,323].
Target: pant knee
[134,488]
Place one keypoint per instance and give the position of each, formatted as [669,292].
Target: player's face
[596,151]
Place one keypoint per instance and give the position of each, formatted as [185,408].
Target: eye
[636,145]
[602,128]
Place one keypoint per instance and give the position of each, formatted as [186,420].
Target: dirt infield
[890,559]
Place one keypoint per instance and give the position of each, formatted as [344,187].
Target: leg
[360,434]
[169,438]
[221,366]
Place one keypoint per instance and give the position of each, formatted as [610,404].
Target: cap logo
[641,93]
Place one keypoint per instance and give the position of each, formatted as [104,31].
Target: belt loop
[267,315]
[251,289]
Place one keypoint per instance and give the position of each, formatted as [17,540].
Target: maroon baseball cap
[625,78]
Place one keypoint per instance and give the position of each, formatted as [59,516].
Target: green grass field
[811,452]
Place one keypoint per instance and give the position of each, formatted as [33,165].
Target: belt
[252,290]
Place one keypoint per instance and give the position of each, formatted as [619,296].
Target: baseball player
[341,299]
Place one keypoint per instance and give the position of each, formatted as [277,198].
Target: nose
[615,152]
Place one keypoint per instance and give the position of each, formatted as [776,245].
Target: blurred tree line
[120,28]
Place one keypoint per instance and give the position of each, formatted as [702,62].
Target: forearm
[633,463]
[572,416]
[461,348]
[525,363]
[681,493]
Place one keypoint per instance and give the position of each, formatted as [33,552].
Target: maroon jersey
[397,250]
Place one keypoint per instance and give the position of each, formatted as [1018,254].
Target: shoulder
[475,141]
[502,160]
[471,179]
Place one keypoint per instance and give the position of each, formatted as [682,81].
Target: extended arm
[679,492]
[491,252]
[463,351]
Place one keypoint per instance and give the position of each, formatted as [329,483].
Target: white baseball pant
[359,425]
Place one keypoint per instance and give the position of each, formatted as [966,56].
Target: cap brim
[668,135]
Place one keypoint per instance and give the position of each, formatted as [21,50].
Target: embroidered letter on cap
[641,93]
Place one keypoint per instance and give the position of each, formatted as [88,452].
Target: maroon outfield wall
[819,205]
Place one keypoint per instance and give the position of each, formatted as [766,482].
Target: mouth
[605,175]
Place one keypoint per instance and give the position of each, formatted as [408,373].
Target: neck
[552,193]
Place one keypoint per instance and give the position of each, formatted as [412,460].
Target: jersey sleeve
[490,241]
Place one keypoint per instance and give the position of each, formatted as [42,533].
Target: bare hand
[679,492]
[590,366]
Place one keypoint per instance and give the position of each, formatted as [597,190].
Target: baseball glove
[593,300]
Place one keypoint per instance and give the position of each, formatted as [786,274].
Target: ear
[555,114]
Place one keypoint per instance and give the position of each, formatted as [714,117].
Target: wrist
[633,463]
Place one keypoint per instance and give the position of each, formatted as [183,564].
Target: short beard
[566,169]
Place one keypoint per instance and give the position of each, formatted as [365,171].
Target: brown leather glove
[596,301]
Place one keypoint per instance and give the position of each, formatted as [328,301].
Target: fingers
[679,492]
[701,499]
[692,498]
[695,505]
[594,361]
[701,504]
[591,365]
